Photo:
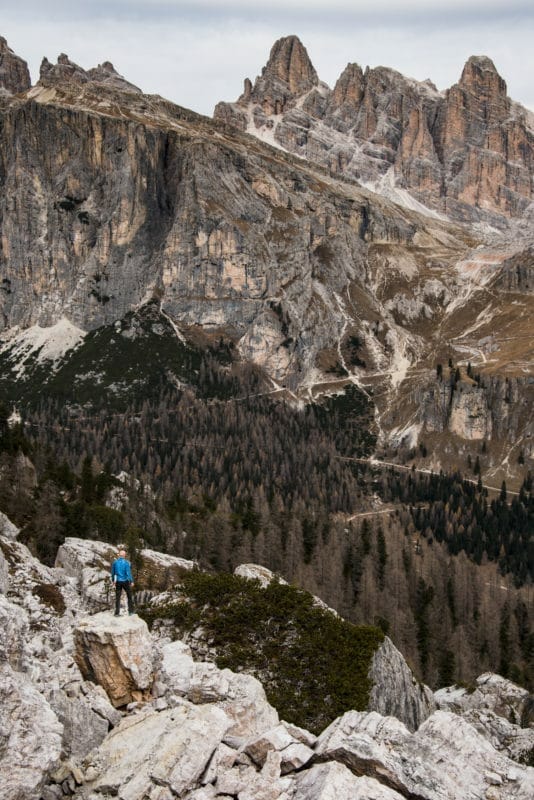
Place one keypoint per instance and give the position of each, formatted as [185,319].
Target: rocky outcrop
[518,273]
[66,71]
[492,693]
[200,732]
[30,737]
[495,407]
[89,562]
[395,691]
[14,73]
[287,75]
[438,761]
[467,152]
[117,654]
[241,696]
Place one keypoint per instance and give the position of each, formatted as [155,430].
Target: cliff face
[103,211]
[467,152]
[111,200]
[14,73]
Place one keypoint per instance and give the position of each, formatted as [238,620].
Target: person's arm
[130,576]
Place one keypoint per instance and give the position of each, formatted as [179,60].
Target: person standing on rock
[121,575]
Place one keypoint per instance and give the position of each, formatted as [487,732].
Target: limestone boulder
[170,749]
[241,696]
[395,691]
[116,653]
[83,728]
[30,737]
[492,693]
[7,529]
[445,759]
[334,781]
[294,754]
[257,572]
[13,633]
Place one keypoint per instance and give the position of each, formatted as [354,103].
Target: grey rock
[445,759]
[30,737]
[13,634]
[83,729]
[14,73]
[395,691]
[334,781]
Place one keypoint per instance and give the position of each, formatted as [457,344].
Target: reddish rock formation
[468,152]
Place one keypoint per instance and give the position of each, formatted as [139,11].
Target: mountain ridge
[467,151]
[113,199]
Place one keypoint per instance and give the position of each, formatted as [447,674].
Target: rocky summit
[95,707]
[466,152]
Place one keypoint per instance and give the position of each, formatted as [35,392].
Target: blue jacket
[121,570]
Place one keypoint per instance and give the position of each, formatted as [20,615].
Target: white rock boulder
[334,781]
[256,572]
[241,696]
[116,653]
[30,737]
[294,754]
[445,759]
[170,749]
[89,562]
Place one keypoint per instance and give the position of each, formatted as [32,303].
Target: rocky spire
[67,71]
[486,88]
[289,62]
[64,70]
[14,73]
[349,88]
[287,75]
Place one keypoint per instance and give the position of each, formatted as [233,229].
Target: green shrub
[313,665]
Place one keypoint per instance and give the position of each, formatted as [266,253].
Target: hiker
[121,575]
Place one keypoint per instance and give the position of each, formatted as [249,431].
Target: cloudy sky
[196,52]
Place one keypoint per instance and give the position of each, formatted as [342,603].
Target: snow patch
[43,344]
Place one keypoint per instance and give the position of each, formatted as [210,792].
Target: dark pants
[119,586]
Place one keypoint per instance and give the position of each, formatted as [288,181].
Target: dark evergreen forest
[224,472]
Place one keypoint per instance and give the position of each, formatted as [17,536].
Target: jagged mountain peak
[63,70]
[480,73]
[466,152]
[67,71]
[14,72]
[289,62]
[288,74]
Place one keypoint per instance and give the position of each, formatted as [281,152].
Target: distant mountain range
[385,241]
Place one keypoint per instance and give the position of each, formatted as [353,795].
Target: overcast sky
[198,52]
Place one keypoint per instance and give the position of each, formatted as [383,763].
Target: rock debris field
[96,707]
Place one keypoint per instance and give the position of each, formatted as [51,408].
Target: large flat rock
[117,653]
